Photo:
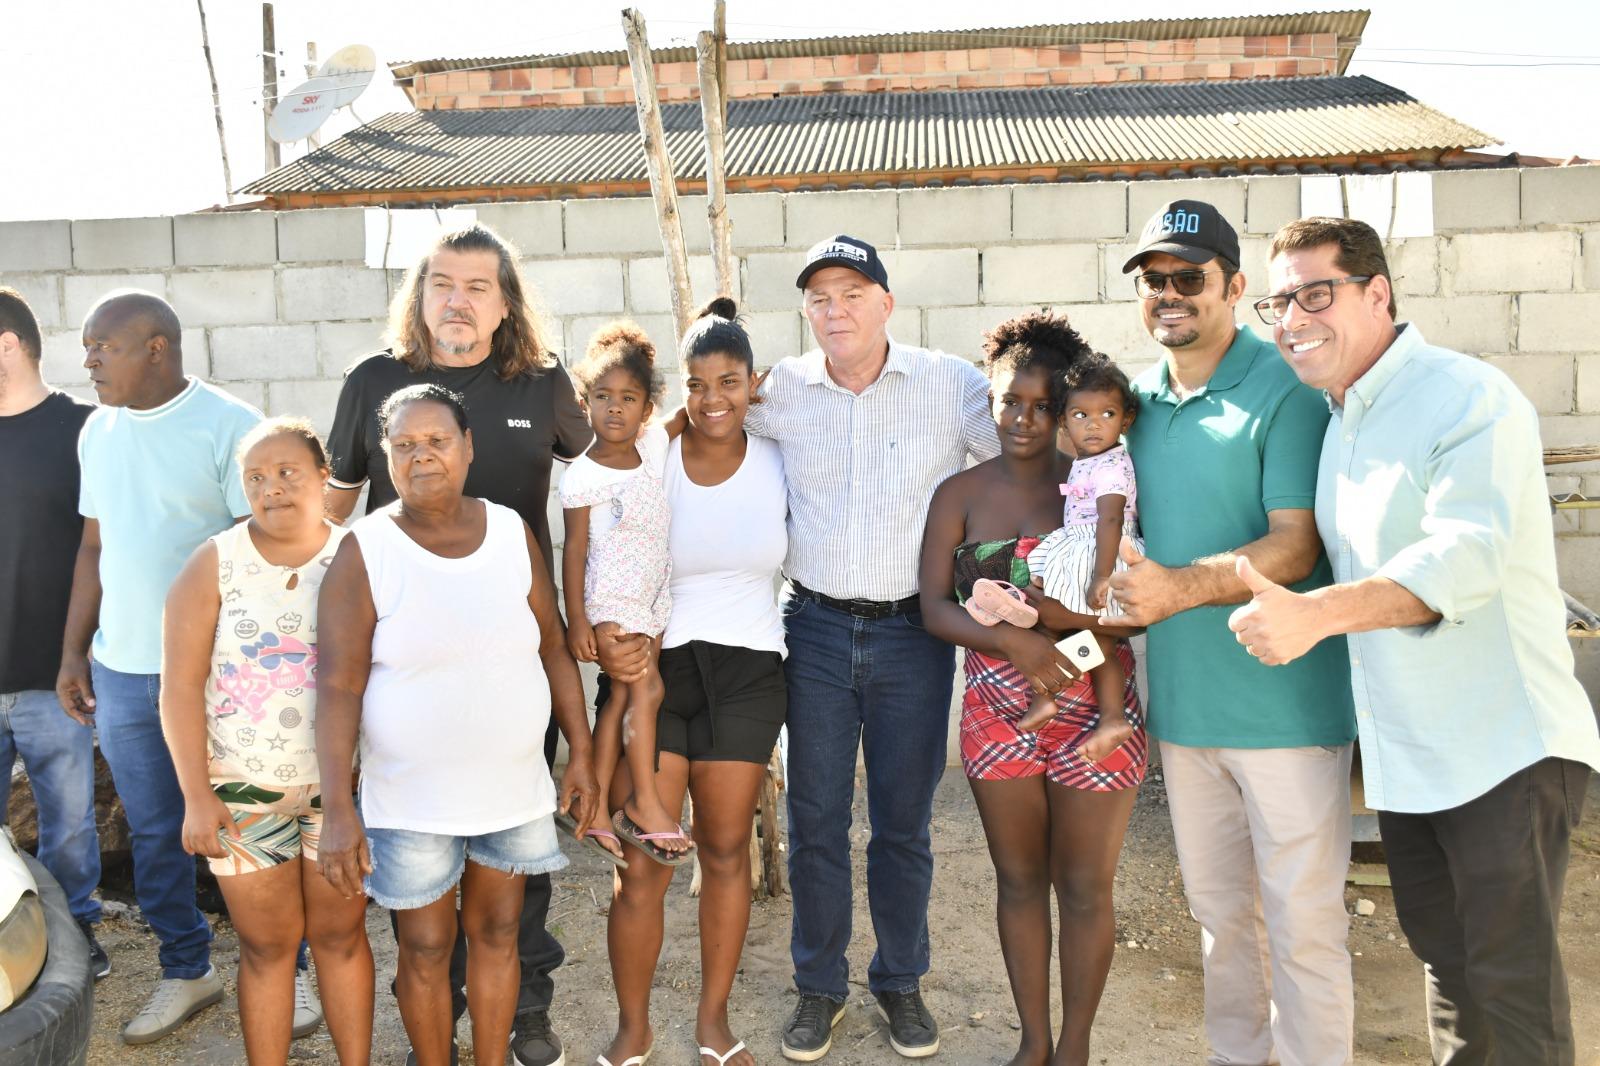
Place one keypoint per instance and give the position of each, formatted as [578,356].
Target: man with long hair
[464,320]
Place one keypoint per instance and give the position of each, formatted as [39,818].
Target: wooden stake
[719,23]
[269,81]
[216,100]
[663,186]
[711,113]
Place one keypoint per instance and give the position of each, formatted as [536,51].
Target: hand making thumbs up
[1277,626]
[1146,591]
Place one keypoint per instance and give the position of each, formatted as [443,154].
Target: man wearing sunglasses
[1256,761]
[1476,738]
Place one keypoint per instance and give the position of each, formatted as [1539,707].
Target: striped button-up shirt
[1432,477]
[862,467]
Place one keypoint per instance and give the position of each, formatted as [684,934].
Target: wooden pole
[216,100]
[269,81]
[720,28]
[711,113]
[314,140]
[663,186]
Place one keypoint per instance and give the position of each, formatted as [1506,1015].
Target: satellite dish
[350,69]
[337,83]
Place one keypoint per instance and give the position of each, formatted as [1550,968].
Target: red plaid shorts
[993,749]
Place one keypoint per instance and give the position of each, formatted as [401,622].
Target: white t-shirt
[454,715]
[585,475]
[728,544]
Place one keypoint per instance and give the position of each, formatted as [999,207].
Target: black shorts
[722,704]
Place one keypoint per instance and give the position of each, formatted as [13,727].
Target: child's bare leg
[639,744]
[607,753]
[608,741]
[1043,708]
[1113,728]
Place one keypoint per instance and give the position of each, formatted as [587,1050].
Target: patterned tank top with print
[261,694]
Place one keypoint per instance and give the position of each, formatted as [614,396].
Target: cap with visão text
[1192,230]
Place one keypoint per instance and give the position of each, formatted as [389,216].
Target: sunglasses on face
[1312,296]
[1152,283]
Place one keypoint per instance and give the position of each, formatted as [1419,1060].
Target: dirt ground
[1151,1014]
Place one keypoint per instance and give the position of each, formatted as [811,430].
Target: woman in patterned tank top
[238,707]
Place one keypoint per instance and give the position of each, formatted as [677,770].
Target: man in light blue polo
[159,476]
[1256,761]
[1476,738]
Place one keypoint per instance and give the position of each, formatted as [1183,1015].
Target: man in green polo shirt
[1256,760]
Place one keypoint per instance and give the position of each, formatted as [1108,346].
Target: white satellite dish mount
[338,82]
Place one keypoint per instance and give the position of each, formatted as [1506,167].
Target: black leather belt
[859,608]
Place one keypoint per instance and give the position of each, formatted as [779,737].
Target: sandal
[993,602]
[589,841]
[631,1060]
[722,1060]
[633,834]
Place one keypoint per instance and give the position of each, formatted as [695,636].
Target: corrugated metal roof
[1211,122]
[1346,24]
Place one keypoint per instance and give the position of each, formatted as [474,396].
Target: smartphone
[1081,650]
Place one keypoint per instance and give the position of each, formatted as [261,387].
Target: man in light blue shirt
[1476,738]
[159,476]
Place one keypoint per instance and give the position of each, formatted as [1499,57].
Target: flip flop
[993,602]
[631,1060]
[722,1060]
[570,825]
[633,834]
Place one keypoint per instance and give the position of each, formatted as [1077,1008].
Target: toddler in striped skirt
[1075,563]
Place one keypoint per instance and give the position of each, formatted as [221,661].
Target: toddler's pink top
[1109,473]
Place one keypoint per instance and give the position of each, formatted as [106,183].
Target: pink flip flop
[628,830]
[591,839]
[993,602]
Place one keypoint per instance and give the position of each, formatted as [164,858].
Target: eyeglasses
[1312,296]
[1152,283]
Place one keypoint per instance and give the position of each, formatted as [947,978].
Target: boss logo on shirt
[519,423]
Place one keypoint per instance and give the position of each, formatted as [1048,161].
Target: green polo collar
[1236,363]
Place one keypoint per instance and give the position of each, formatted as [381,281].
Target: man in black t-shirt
[39,532]
[462,320]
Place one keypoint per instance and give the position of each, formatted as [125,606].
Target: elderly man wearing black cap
[1256,759]
[868,428]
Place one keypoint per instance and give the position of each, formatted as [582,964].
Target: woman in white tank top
[443,650]
[722,666]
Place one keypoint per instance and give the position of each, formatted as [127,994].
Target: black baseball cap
[843,250]
[1192,230]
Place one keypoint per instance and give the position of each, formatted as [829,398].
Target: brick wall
[276,305]
[1209,58]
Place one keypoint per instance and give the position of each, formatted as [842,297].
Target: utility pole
[314,141]
[269,82]
[216,100]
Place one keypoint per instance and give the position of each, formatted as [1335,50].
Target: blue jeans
[58,755]
[128,716]
[884,685]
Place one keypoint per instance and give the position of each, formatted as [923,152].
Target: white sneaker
[170,1005]
[307,1007]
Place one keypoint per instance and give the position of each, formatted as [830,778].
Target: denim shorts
[412,869]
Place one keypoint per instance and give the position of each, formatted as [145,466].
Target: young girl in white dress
[615,569]
[1076,562]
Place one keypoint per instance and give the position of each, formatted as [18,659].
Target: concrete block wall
[276,305]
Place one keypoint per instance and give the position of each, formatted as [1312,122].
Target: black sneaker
[455,1053]
[99,961]
[912,1030]
[533,1042]
[809,1034]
